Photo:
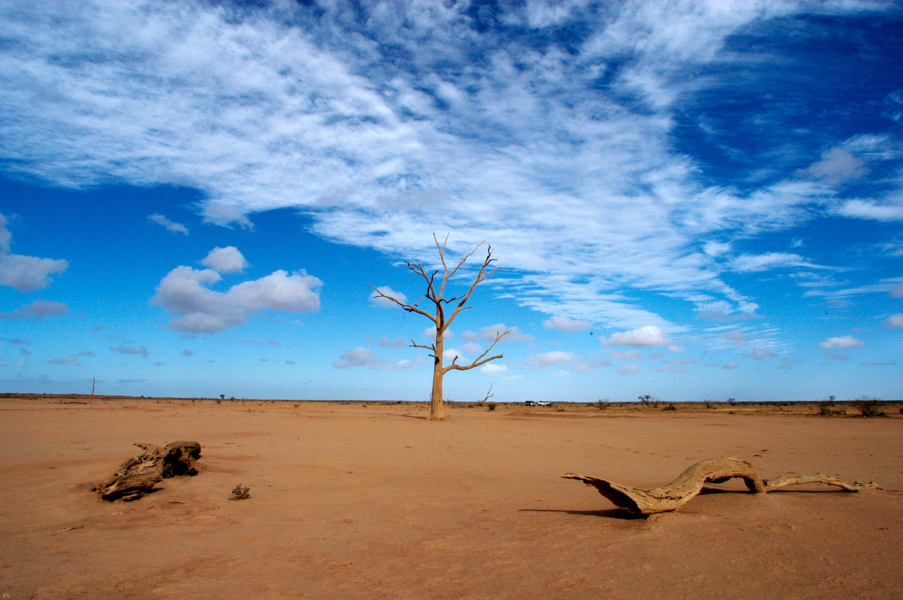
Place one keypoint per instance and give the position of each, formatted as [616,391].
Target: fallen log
[689,483]
[138,475]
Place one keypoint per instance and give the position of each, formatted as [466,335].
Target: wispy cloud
[37,310]
[365,357]
[473,121]
[170,225]
[140,351]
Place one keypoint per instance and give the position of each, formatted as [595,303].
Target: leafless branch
[408,307]
[479,360]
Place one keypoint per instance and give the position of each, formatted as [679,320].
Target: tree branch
[408,307]
[477,362]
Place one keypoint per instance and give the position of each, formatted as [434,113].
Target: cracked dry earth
[353,501]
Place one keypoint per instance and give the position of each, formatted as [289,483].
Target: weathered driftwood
[690,483]
[138,475]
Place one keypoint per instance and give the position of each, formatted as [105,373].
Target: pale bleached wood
[689,483]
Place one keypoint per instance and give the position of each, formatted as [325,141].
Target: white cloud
[493,369]
[37,310]
[626,355]
[471,348]
[731,366]
[762,354]
[25,273]
[385,342]
[225,260]
[170,225]
[845,342]
[385,303]
[141,351]
[489,333]
[629,369]
[185,292]
[736,337]
[869,209]
[837,166]
[365,357]
[470,336]
[894,322]
[751,263]
[566,324]
[556,358]
[645,337]
[383,129]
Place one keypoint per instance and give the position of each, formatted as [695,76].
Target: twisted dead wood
[138,475]
[690,482]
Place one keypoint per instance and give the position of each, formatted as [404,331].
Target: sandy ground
[358,502]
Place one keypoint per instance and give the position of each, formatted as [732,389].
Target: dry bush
[670,407]
[603,404]
[869,407]
[491,405]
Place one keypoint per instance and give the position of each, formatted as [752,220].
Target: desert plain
[372,500]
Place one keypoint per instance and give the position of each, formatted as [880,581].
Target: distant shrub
[491,405]
[649,401]
[732,401]
[670,407]
[869,407]
[602,404]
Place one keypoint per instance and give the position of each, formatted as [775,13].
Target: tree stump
[138,475]
[689,483]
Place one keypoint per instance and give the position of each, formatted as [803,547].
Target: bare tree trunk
[436,413]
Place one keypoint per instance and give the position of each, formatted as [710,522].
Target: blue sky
[687,199]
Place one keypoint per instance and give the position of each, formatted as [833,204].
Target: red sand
[358,502]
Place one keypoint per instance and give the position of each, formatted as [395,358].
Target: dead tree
[689,483]
[435,295]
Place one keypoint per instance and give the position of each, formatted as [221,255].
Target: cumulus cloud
[225,260]
[566,324]
[644,337]
[384,302]
[894,321]
[25,273]
[141,351]
[841,343]
[730,365]
[897,291]
[629,369]
[187,353]
[37,310]
[836,356]
[186,292]
[170,225]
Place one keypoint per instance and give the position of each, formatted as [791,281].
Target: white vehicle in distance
[543,403]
